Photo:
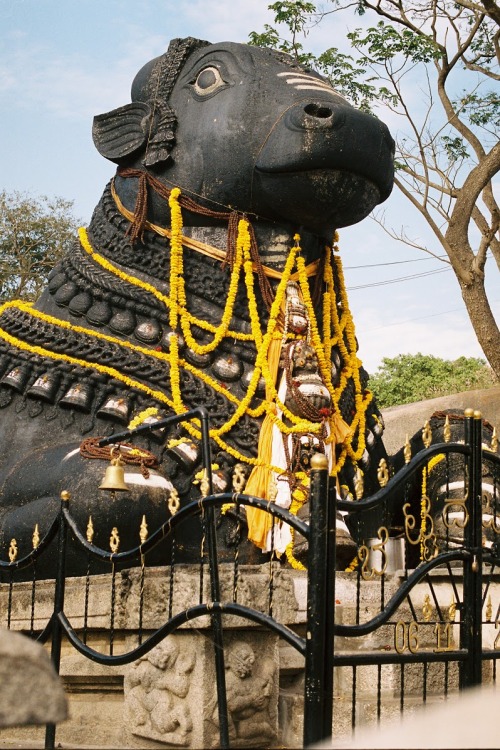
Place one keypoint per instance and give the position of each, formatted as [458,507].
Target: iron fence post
[316,646]
[331,519]
[216,619]
[55,651]
[471,625]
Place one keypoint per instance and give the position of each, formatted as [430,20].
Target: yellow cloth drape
[259,522]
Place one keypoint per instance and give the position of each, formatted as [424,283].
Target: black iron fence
[369,633]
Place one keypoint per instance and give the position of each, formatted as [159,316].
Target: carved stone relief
[156,691]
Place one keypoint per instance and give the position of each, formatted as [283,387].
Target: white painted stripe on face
[303,82]
[294,74]
[312,81]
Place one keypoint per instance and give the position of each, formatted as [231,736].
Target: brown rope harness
[128,453]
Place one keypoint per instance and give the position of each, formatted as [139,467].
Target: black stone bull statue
[206,278]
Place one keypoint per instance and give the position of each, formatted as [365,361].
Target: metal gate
[397,626]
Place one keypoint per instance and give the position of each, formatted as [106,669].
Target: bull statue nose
[317,114]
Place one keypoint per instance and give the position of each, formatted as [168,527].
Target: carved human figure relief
[156,690]
[250,687]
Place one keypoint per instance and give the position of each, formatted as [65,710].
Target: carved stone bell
[79,396]
[115,407]
[16,378]
[45,387]
[187,454]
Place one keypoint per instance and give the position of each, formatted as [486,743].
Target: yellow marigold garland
[176,303]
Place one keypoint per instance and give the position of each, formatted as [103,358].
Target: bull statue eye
[208,80]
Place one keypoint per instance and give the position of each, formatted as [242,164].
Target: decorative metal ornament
[149,332]
[16,378]
[45,387]
[239,478]
[13,550]
[427,434]
[407,450]
[79,396]
[306,382]
[383,472]
[427,608]
[447,430]
[296,312]
[114,478]
[114,540]
[359,485]
[36,537]
[173,501]
[227,368]
[116,407]
[90,531]
[143,530]
[494,441]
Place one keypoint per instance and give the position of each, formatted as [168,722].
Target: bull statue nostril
[317,110]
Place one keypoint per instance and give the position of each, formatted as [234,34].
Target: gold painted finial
[447,429]
[359,485]
[173,501]
[65,496]
[383,472]
[114,540]
[319,462]
[427,608]
[469,413]
[407,450]
[143,530]
[36,537]
[427,434]
[494,441]
[477,414]
[90,530]
[452,609]
[13,550]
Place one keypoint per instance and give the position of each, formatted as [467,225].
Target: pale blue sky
[63,62]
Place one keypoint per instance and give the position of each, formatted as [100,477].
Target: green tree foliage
[435,64]
[34,234]
[416,377]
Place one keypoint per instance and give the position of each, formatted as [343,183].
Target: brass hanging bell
[114,478]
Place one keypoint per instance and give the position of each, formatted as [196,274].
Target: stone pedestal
[168,697]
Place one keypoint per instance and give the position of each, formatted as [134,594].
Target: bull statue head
[249,128]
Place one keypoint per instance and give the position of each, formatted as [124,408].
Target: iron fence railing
[322,658]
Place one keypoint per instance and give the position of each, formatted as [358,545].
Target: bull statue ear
[122,132]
